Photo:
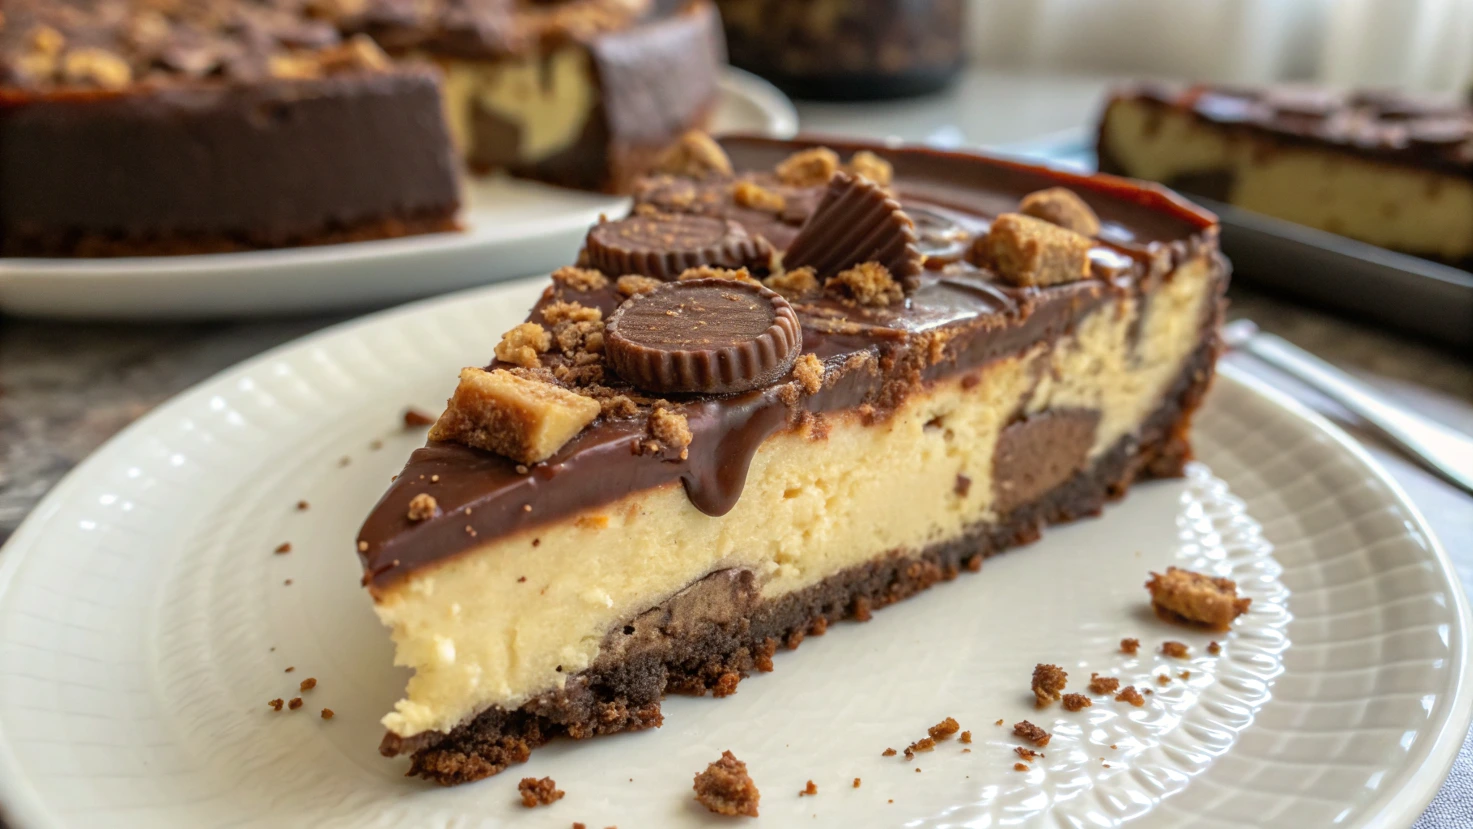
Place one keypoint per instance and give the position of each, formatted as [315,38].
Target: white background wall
[1419,44]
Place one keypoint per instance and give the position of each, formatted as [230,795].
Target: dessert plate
[512,228]
[148,613]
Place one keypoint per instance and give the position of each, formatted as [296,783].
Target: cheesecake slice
[1378,167]
[796,384]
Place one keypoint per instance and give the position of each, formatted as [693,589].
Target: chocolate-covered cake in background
[1381,167]
[130,127]
[796,384]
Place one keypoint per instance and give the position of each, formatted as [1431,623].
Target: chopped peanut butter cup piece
[525,420]
[695,155]
[808,168]
[664,245]
[713,336]
[1063,207]
[1029,251]
[856,221]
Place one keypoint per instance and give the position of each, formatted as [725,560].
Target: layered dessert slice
[796,384]
[1379,167]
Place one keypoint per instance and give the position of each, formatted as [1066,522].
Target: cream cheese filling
[1385,204]
[549,98]
[509,620]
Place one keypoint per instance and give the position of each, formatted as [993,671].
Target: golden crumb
[556,312]
[694,155]
[1163,679]
[1131,695]
[1020,767]
[422,507]
[808,168]
[809,789]
[1031,733]
[1184,675]
[856,782]
[309,683]
[966,737]
[579,279]
[327,714]
[1214,648]
[536,792]
[876,169]
[794,284]
[95,65]
[303,506]
[1103,684]
[670,430]
[868,283]
[708,272]
[1063,207]
[1048,683]
[999,721]
[522,345]
[1175,650]
[923,744]
[1026,251]
[1076,702]
[295,703]
[1130,646]
[1026,753]
[889,752]
[1196,598]
[363,546]
[631,284]
[753,195]
[944,729]
[415,418]
[809,373]
[276,704]
[283,548]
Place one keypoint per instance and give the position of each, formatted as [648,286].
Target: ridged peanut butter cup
[661,246]
[857,221]
[708,336]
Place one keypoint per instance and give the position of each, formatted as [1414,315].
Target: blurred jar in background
[847,49]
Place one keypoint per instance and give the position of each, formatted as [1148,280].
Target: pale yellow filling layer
[1384,204]
[549,98]
[477,634]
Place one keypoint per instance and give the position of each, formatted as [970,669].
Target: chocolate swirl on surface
[957,319]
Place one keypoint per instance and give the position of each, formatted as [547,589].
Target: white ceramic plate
[512,228]
[145,622]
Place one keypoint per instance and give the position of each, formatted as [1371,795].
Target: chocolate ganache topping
[957,318]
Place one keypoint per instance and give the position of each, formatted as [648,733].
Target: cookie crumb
[632,284]
[889,752]
[290,668]
[856,782]
[344,461]
[808,371]
[1131,695]
[1185,675]
[794,284]
[303,506]
[1020,767]
[1048,683]
[1196,598]
[1031,733]
[539,792]
[1076,702]
[579,279]
[276,704]
[966,737]
[999,721]
[923,744]
[1026,753]
[1214,648]
[283,548]
[1163,679]
[423,507]
[295,703]
[944,729]
[808,168]
[726,789]
[809,790]
[309,683]
[327,714]
[1175,650]
[869,283]
[755,196]
[1103,684]
[1130,646]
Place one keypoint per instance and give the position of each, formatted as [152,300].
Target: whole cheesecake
[133,128]
[1385,168]
[796,384]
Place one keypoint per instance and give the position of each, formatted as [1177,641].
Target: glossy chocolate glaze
[957,320]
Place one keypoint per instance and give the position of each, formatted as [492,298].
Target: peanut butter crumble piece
[889,752]
[1184,596]
[632,284]
[708,272]
[695,155]
[1214,648]
[869,283]
[1031,733]
[1103,684]
[999,721]
[525,420]
[1048,683]
[276,704]
[923,744]
[809,790]
[522,345]
[1131,695]
[539,792]
[1020,767]
[557,312]
[327,714]
[1027,251]
[876,169]
[283,548]
[422,507]
[1063,207]
[944,729]
[1026,753]
[670,431]
[1076,702]
[1130,646]
[794,284]
[809,373]
[755,196]
[579,279]
[1175,650]
[309,683]
[295,703]
[966,737]
[808,168]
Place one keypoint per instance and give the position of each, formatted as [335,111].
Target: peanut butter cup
[664,245]
[857,221]
[709,336]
